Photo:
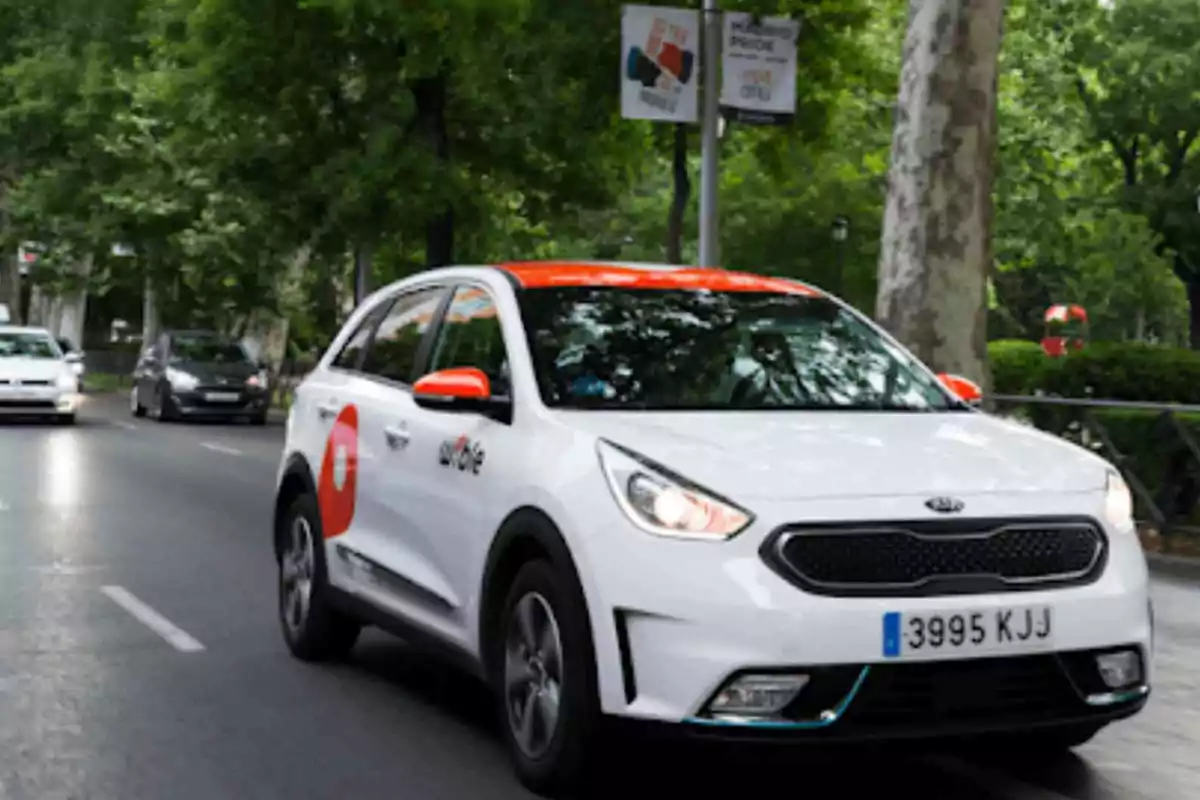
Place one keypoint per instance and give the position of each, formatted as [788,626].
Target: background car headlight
[1118,502]
[665,504]
[181,381]
[258,381]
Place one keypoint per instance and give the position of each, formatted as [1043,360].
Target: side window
[356,345]
[470,336]
[393,353]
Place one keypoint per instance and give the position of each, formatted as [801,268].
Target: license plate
[938,633]
[222,397]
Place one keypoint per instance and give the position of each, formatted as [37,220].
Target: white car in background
[37,379]
[721,502]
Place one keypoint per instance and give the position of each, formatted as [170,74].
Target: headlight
[1118,502]
[665,504]
[258,381]
[181,381]
[66,380]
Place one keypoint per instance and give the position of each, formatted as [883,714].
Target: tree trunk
[150,320]
[1193,295]
[681,192]
[430,95]
[936,249]
[10,287]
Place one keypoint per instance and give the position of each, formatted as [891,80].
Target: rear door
[377,561]
[323,426]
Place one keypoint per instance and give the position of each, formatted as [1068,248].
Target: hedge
[1132,372]
[1113,371]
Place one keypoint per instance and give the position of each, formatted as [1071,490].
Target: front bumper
[39,401]
[675,621]
[219,402]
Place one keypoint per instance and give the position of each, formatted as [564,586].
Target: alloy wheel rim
[533,674]
[296,573]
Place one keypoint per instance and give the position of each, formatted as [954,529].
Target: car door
[453,491]
[323,426]
[378,560]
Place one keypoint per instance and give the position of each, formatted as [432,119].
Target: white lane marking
[4,506]
[129,426]
[1002,784]
[220,448]
[178,638]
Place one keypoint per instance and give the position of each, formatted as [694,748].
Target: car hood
[807,455]
[30,369]
[217,373]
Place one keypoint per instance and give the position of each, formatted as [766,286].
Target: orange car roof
[543,274]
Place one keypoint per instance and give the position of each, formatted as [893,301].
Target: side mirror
[460,389]
[964,389]
[73,357]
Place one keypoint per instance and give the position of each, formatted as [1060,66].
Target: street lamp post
[841,232]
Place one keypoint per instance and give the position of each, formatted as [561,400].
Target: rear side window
[356,345]
[393,352]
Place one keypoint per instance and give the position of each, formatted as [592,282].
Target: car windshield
[648,349]
[27,344]
[208,350]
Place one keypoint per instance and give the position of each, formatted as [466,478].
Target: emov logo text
[461,454]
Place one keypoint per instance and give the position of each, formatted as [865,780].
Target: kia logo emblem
[944,505]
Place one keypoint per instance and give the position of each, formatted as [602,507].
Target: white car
[725,502]
[36,377]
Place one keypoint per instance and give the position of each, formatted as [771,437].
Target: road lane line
[220,448]
[129,426]
[175,636]
[995,781]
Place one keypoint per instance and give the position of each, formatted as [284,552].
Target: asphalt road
[140,659]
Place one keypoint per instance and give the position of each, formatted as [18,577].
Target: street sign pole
[710,253]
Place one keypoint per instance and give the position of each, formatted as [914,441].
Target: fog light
[1119,670]
[757,695]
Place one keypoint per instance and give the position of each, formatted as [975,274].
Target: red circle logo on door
[338,484]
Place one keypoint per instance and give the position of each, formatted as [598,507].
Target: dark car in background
[191,374]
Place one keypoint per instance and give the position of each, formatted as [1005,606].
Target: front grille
[23,383]
[937,557]
[32,405]
[927,697]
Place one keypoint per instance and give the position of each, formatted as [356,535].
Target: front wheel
[135,405]
[549,704]
[312,627]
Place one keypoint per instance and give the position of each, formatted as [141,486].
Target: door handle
[397,436]
[327,410]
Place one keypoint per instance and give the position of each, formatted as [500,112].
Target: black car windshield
[207,350]
[27,344]
[650,349]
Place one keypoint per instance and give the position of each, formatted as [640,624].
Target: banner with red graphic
[659,63]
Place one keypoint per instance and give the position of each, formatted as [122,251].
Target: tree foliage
[248,149]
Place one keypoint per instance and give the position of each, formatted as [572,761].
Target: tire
[65,419]
[314,631]
[135,406]
[258,419]
[563,758]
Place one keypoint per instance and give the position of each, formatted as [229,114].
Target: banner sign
[659,63]
[759,68]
